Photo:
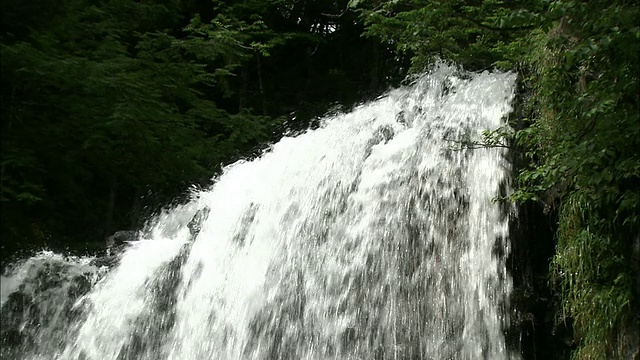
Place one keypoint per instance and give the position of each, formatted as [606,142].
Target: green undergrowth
[582,145]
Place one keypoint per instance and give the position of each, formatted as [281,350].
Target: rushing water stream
[372,237]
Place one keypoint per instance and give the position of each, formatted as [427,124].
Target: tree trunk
[111,205]
[135,213]
[242,94]
[260,85]
[375,68]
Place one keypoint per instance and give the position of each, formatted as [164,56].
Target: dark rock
[117,242]
[80,286]
[153,327]
[18,307]
[382,135]
[17,302]
[12,337]
[401,118]
[109,260]
[195,225]
[246,221]
[122,236]
[348,339]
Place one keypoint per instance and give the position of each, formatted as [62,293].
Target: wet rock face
[115,245]
[109,261]
[195,225]
[45,305]
[153,326]
[79,286]
[121,237]
[382,135]
[16,311]
[535,328]
[17,303]
[535,331]
[628,345]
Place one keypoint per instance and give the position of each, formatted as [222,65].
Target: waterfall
[375,236]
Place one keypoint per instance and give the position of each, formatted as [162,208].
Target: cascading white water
[368,238]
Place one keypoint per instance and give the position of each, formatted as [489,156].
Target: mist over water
[372,237]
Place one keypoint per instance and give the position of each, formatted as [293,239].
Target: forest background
[112,109]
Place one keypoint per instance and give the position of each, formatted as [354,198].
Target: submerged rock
[382,135]
[117,242]
[43,302]
[195,225]
[122,236]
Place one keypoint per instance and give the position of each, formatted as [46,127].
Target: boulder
[122,236]
[195,225]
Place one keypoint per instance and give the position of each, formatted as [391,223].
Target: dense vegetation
[111,108]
